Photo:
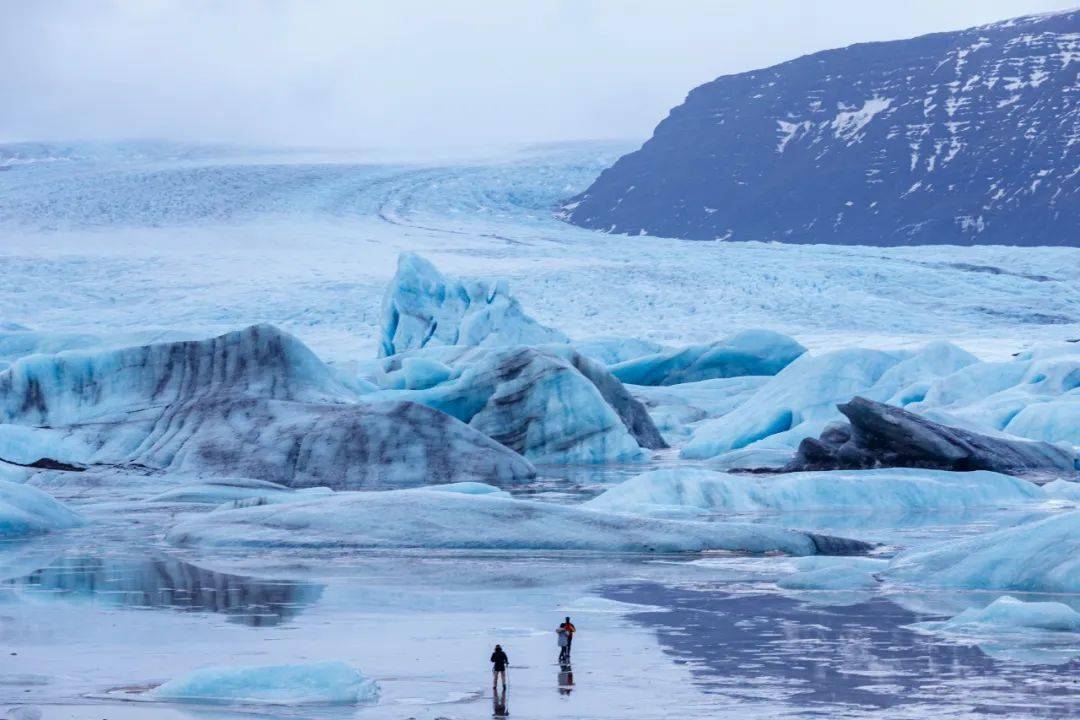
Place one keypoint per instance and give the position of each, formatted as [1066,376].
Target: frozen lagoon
[161,247]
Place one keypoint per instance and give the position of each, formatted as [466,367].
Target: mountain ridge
[964,137]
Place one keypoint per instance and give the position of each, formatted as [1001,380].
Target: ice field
[305,434]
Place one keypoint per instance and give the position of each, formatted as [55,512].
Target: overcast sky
[393,73]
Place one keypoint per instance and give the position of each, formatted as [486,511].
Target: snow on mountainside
[968,137]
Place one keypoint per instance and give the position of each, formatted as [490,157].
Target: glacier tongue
[424,308]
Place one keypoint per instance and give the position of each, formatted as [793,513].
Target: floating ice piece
[801,399]
[610,351]
[217,491]
[330,683]
[1011,629]
[418,373]
[675,408]
[818,573]
[1008,613]
[18,342]
[422,307]
[550,406]
[255,403]
[25,510]
[466,488]
[1067,490]
[887,490]
[752,352]
[413,519]
[1036,397]
[1042,556]
[881,435]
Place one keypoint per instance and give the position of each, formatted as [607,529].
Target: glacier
[449,520]
[327,683]
[751,352]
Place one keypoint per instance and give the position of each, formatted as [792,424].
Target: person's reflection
[498,704]
[566,679]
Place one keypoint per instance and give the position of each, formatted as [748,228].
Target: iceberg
[1066,490]
[222,490]
[255,404]
[881,435]
[800,401]
[676,408]
[1036,396]
[886,490]
[25,510]
[1008,613]
[1015,630]
[612,350]
[329,683]
[838,574]
[424,308]
[1041,556]
[752,352]
[450,520]
[551,406]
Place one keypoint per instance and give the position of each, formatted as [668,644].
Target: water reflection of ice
[165,583]
[860,659]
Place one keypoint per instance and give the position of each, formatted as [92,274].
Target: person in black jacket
[499,662]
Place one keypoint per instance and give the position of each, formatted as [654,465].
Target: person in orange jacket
[569,629]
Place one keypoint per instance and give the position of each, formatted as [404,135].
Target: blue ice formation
[613,350]
[550,404]
[450,520]
[891,490]
[327,683]
[800,401]
[751,352]
[1040,556]
[1008,613]
[25,510]
[254,403]
[424,308]
[215,491]
[1031,632]
[833,573]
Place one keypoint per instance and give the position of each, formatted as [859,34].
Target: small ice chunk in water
[329,683]
[25,510]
